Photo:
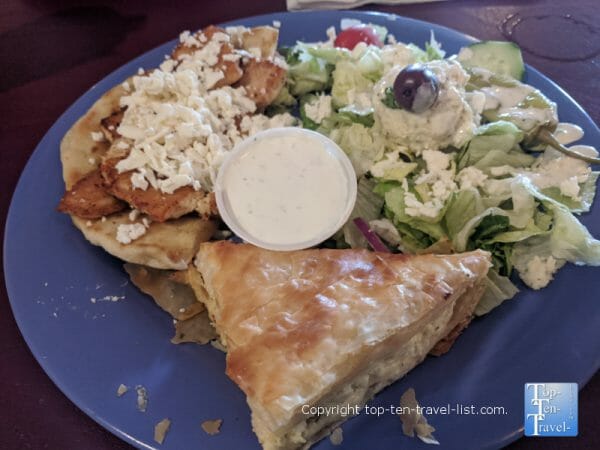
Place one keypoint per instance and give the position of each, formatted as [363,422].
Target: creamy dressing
[506,100]
[286,189]
[585,150]
[567,133]
[505,97]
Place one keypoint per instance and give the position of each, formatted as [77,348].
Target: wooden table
[52,52]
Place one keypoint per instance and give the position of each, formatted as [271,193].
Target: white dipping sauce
[287,188]
[567,133]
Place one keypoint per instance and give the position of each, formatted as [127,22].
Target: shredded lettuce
[495,144]
[363,145]
[349,82]
[498,289]
[395,202]
[393,167]
[306,72]
[368,207]
[368,63]
[586,195]
[462,207]
[307,122]
[347,116]
[566,240]
[331,55]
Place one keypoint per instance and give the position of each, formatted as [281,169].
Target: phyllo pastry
[329,327]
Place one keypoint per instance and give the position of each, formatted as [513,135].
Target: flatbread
[319,328]
[168,245]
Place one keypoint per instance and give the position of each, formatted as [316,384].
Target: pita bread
[329,327]
[168,245]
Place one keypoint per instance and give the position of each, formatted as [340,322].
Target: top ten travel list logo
[550,409]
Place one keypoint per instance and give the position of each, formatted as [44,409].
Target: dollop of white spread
[451,121]
[285,189]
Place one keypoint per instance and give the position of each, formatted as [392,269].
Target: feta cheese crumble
[178,124]
[127,233]
[97,136]
[319,108]
[539,271]
[437,180]
[471,177]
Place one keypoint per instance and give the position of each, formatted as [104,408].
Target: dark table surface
[53,51]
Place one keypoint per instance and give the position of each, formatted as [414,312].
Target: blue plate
[88,349]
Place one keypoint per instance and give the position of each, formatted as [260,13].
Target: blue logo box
[550,409]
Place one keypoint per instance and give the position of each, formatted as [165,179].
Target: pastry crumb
[212,427]
[121,389]
[413,421]
[142,398]
[218,345]
[161,429]
[337,436]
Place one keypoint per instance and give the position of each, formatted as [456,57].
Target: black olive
[416,88]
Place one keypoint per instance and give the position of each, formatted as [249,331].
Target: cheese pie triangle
[329,327]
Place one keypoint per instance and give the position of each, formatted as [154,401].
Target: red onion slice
[372,238]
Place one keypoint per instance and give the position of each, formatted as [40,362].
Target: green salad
[452,153]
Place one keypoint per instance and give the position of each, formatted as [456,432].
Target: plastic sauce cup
[286,189]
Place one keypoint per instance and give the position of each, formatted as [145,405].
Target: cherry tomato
[358,33]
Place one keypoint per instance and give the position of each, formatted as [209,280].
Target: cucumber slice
[500,57]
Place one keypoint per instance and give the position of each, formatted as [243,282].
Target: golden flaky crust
[298,325]
[168,245]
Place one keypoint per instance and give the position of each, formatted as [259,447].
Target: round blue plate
[89,349]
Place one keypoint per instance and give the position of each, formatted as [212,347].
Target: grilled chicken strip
[263,79]
[109,125]
[159,206]
[228,66]
[89,199]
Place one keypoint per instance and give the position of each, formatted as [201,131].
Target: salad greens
[452,185]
